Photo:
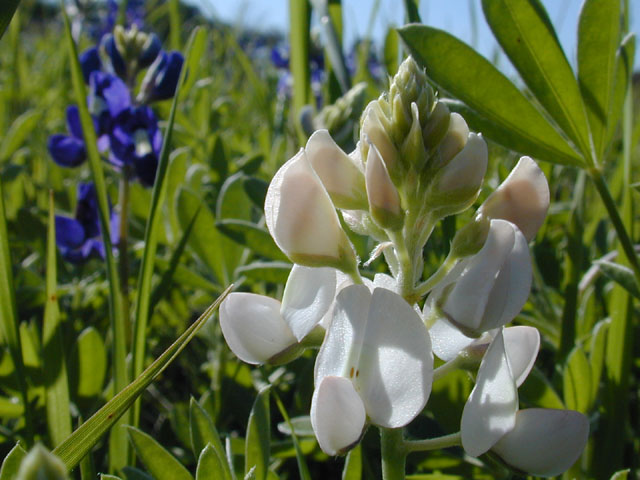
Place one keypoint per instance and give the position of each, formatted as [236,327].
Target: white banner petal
[521,344]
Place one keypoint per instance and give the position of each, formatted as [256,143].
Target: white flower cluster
[415,164]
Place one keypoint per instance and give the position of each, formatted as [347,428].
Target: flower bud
[161,80]
[413,154]
[544,442]
[39,464]
[522,199]
[457,184]
[339,174]
[454,140]
[303,221]
[375,126]
[437,126]
[384,200]
[470,238]
[408,86]
[494,285]
[341,116]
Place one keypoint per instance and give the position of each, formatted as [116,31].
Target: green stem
[618,224]
[426,286]
[447,367]
[393,453]
[123,257]
[445,441]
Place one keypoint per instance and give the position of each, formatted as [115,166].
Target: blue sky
[455,16]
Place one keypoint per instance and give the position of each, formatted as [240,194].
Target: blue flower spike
[161,79]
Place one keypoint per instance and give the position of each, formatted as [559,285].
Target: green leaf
[204,435]
[18,133]
[300,425]
[251,236]
[620,274]
[88,366]
[167,277]
[391,51]
[9,329]
[620,475]
[11,463]
[508,138]
[258,437]
[303,469]
[53,355]
[233,201]
[353,464]
[449,63]
[577,381]
[272,272]
[10,408]
[159,462]
[89,433]
[256,189]
[132,473]
[624,67]
[598,37]
[411,11]
[597,352]
[211,465]
[525,33]
[7,9]
[538,391]
[106,476]
[205,239]
[195,52]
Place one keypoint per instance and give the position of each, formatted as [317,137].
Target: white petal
[340,351]
[455,138]
[300,216]
[523,198]
[512,286]
[468,299]
[447,340]
[383,280]
[491,408]
[466,170]
[253,327]
[307,297]
[544,442]
[521,344]
[337,414]
[395,368]
[337,171]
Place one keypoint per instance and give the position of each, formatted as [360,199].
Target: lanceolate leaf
[211,465]
[160,463]
[598,37]
[11,463]
[460,70]
[577,381]
[620,274]
[87,435]
[252,236]
[258,437]
[524,31]
[624,66]
[205,436]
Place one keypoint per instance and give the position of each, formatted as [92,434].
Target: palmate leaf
[76,446]
[449,63]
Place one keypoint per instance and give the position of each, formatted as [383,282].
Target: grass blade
[74,448]
[119,454]
[303,469]
[7,9]
[299,15]
[55,371]
[158,196]
[9,317]
[257,444]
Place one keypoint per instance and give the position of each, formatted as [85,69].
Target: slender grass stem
[123,250]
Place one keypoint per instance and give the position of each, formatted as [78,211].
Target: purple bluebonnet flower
[280,57]
[79,238]
[136,142]
[90,62]
[117,63]
[161,79]
[69,150]
[108,97]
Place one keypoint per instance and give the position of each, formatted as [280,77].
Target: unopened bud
[437,126]
[454,140]
[384,200]
[375,126]
[470,238]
